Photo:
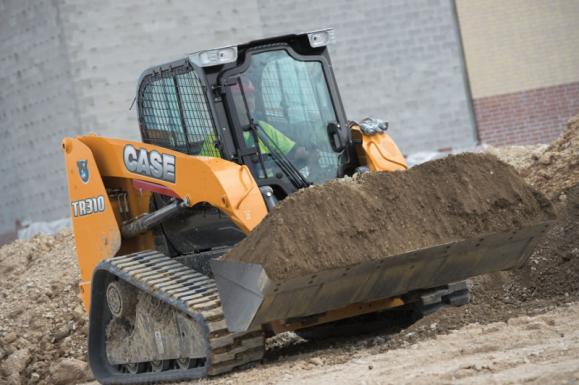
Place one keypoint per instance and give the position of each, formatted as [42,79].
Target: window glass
[291,102]
[176,115]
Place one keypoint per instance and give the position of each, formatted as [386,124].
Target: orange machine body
[378,152]
[106,178]
[97,172]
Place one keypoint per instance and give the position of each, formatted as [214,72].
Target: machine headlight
[214,56]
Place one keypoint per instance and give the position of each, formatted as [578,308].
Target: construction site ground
[522,326]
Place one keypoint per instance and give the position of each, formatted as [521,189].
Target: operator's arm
[278,138]
[284,143]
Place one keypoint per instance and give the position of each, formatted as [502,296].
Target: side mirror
[335,138]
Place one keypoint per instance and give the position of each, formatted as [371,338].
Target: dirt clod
[15,364]
[349,221]
[69,371]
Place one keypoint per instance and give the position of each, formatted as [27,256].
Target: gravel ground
[540,349]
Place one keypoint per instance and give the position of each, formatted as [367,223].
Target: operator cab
[271,104]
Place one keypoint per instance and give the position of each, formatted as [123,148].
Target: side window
[175,114]
[160,113]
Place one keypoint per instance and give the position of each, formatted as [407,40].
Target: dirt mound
[551,275]
[520,157]
[553,269]
[557,167]
[348,221]
[42,322]
[548,280]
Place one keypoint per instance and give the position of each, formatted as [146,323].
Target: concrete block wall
[38,108]
[71,67]
[79,62]
[112,42]
[399,60]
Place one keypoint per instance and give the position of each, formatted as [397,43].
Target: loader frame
[223,184]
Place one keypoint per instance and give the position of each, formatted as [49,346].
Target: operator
[278,138]
[298,154]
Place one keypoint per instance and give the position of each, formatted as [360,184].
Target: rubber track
[195,294]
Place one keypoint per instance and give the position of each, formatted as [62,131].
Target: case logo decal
[149,163]
[83,170]
[88,206]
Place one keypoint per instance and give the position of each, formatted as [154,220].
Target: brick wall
[522,58]
[527,117]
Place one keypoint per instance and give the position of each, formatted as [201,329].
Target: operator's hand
[373,126]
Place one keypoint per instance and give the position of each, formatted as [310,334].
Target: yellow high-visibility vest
[284,143]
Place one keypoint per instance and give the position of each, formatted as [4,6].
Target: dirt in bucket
[374,215]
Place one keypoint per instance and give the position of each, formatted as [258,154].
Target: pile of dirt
[553,269]
[347,221]
[551,275]
[552,272]
[557,168]
[43,326]
[548,280]
[520,157]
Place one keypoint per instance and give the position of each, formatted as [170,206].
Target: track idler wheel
[121,299]
[189,363]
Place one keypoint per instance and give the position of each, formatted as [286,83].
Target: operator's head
[249,92]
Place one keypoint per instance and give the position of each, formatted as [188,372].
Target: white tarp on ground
[31,229]
[425,156]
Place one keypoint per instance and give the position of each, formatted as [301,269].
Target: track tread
[194,293]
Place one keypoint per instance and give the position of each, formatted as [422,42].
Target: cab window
[175,114]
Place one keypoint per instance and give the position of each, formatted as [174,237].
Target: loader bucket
[250,298]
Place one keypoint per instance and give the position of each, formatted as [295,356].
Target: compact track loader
[227,134]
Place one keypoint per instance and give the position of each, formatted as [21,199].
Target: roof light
[214,56]
[321,38]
